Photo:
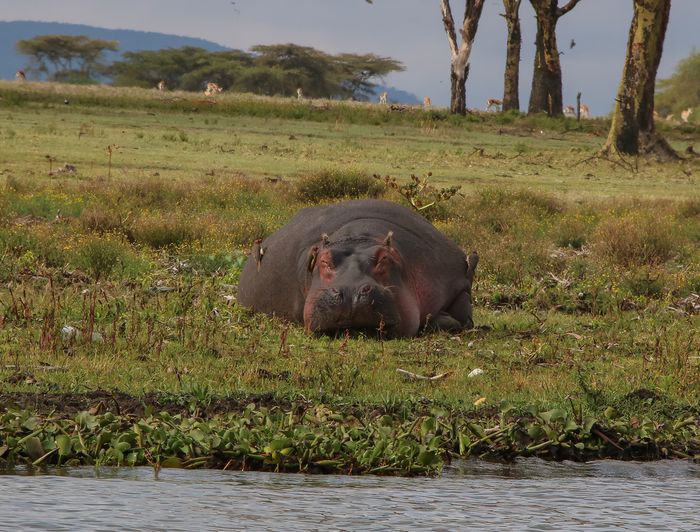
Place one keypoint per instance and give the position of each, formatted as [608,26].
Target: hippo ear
[472,261]
[387,240]
[311,260]
[258,251]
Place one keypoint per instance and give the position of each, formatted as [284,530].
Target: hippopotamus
[368,265]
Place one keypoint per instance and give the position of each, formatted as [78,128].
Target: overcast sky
[408,30]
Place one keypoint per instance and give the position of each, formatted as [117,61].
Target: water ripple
[528,495]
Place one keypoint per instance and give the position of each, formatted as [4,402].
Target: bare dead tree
[459,64]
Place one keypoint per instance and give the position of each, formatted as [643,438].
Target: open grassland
[122,277]
[272,137]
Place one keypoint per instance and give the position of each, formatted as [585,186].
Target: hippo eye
[381,263]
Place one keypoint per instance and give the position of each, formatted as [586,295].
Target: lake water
[528,495]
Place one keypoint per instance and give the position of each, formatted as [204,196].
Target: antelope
[493,103]
[427,103]
[383,97]
[686,114]
[20,75]
[300,93]
[569,110]
[162,86]
[584,111]
[212,89]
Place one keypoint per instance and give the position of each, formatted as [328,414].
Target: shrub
[159,231]
[101,256]
[101,219]
[98,256]
[636,239]
[571,232]
[336,184]
[44,204]
[643,282]
[690,207]
[153,192]
[38,243]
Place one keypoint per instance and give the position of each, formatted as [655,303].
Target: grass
[586,295]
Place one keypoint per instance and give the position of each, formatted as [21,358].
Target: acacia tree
[511,98]
[459,64]
[545,95]
[632,131]
[682,89]
[66,57]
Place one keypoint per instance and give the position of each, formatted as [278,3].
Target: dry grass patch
[636,238]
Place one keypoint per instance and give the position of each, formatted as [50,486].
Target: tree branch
[449,23]
[563,10]
[472,13]
[511,7]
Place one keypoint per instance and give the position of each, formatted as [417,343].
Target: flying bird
[572,44]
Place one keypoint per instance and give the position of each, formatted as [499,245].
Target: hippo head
[352,283]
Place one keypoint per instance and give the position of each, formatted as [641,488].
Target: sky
[408,30]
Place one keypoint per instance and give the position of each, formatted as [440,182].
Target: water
[528,495]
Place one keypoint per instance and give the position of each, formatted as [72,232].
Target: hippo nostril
[336,294]
[366,289]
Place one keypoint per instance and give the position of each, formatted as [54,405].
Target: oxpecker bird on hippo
[368,265]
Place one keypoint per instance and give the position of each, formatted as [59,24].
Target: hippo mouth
[370,311]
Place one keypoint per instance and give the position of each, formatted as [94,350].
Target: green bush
[337,184]
[163,231]
[102,256]
[571,232]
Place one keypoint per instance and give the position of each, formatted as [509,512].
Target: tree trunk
[546,79]
[511,97]
[460,53]
[458,98]
[632,130]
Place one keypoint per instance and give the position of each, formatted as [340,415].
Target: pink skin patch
[326,273]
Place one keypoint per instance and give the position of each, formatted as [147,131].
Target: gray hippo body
[362,264]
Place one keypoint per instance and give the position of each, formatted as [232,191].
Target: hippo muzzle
[361,306]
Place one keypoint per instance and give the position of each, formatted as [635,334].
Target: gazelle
[20,75]
[427,103]
[493,104]
[212,89]
[383,97]
[584,111]
[686,114]
[300,93]
[162,86]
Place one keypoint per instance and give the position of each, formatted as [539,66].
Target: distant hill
[129,41]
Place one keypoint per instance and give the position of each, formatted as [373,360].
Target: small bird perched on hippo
[368,265]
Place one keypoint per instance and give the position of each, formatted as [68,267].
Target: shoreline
[268,433]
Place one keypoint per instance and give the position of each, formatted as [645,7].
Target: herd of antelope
[492,104]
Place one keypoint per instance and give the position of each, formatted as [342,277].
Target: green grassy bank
[118,285]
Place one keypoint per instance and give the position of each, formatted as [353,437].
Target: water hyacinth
[316,439]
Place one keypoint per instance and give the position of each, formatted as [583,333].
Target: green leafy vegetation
[679,92]
[315,438]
